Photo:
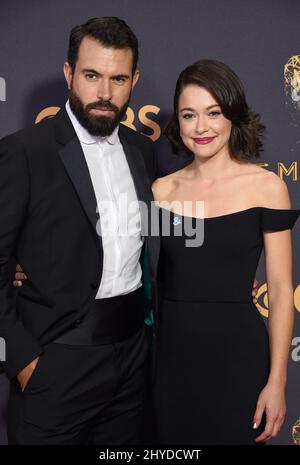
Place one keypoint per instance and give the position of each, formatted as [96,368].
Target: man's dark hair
[224,85]
[109,31]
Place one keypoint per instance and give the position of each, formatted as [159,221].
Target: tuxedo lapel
[144,194]
[75,164]
[137,169]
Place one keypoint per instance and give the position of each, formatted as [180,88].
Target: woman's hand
[271,401]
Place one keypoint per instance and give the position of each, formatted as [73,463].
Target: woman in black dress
[220,378]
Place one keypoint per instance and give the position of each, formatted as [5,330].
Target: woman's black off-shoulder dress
[212,343]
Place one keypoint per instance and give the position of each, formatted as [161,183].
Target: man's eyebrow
[93,71]
[90,70]
[125,76]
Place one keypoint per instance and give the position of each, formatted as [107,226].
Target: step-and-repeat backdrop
[258,39]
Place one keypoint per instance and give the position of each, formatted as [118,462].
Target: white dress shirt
[120,229]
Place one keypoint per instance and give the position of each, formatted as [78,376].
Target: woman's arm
[278,263]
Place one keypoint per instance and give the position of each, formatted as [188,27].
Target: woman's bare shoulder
[253,169]
[162,187]
[271,190]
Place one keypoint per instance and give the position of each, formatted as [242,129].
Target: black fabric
[278,220]
[47,224]
[82,395]
[108,321]
[212,347]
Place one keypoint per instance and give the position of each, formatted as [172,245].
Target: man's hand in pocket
[25,375]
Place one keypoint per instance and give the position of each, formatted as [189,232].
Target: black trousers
[83,395]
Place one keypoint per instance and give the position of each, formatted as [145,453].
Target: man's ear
[135,78]
[68,74]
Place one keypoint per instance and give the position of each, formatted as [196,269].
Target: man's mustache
[102,104]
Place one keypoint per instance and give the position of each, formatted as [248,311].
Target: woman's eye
[214,113]
[187,116]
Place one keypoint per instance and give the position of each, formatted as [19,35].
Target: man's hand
[25,375]
[254,290]
[20,276]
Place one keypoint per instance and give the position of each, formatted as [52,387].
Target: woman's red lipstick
[203,140]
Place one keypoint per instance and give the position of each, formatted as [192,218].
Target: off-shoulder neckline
[231,214]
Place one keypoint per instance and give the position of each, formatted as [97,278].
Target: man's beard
[96,125]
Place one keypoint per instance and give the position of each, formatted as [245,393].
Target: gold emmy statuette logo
[292,79]
[46,113]
[296,432]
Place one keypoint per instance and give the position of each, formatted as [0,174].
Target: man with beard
[75,334]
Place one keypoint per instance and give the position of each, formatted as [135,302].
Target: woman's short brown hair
[224,85]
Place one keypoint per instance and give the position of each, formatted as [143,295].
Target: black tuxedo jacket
[48,224]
